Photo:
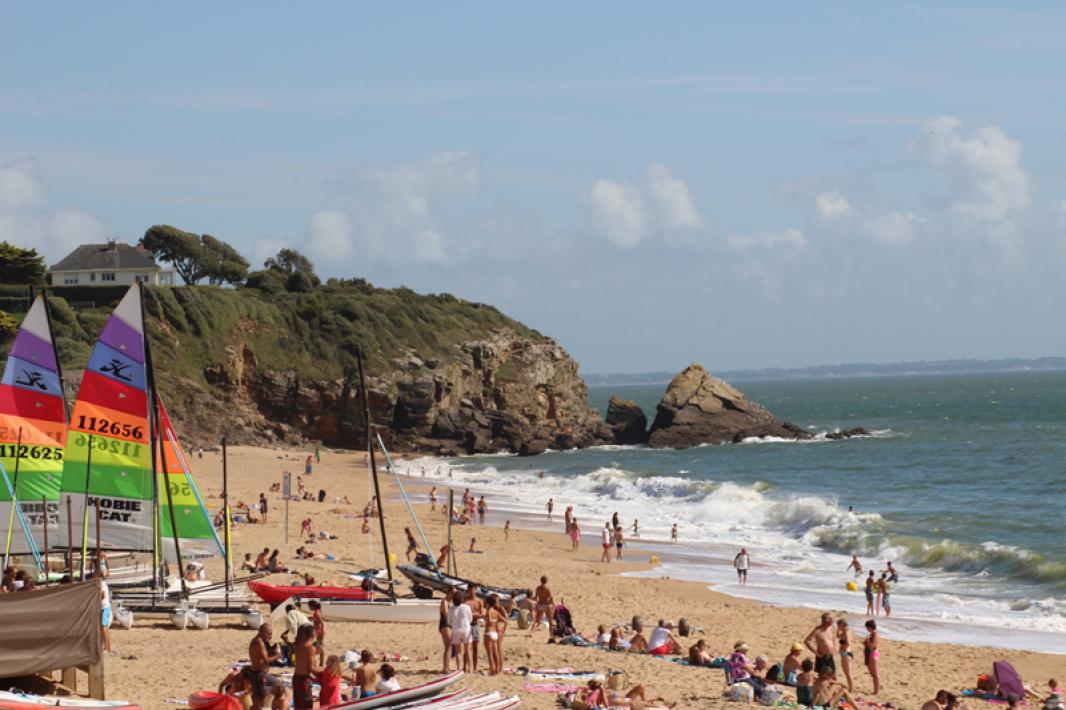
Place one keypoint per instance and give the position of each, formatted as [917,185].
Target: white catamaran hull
[402,611]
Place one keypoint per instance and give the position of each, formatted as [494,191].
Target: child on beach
[507,530]
[805,683]
[432,497]
[329,682]
[575,534]
[619,541]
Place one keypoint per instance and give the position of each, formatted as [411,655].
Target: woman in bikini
[575,534]
[495,623]
[844,639]
[871,654]
[445,630]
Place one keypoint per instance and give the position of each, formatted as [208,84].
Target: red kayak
[208,700]
[275,594]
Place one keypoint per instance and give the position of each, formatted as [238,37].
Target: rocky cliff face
[698,408]
[503,392]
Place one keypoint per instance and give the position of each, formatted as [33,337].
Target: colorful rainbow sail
[107,463]
[196,535]
[33,429]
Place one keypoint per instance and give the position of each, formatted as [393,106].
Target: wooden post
[70,679]
[96,680]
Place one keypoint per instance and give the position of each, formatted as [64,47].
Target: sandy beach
[154,662]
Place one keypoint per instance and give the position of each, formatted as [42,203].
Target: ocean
[962,486]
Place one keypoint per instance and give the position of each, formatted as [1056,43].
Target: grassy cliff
[312,334]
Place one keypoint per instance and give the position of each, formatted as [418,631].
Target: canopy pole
[44,507]
[451,567]
[374,470]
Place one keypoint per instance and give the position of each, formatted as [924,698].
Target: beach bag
[741,693]
[637,624]
[616,680]
[683,627]
[523,619]
[771,696]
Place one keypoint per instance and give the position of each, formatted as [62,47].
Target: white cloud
[329,236]
[832,204]
[409,189]
[786,239]
[892,228]
[672,198]
[617,210]
[429,246]
[988,182]
[25,220]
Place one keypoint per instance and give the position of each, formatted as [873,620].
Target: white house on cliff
[112,264]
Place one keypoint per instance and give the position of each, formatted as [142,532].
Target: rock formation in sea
[627,422]
[698,408]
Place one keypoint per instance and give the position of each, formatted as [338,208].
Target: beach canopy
[1008,680]
[49,629]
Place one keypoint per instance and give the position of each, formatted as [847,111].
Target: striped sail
[196,535]
[107,464]
[33,429]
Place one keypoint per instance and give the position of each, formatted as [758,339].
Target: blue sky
[740,184]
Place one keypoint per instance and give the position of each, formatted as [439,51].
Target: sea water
[962,485]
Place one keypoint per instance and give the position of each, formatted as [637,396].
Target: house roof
[112,255]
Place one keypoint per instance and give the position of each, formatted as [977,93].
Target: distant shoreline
[932,367]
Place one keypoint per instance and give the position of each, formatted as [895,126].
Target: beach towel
[1008,680]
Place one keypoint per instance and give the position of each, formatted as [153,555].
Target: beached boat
[210,700]
[415,692]
[274,594]
[404,611]
[11,700]
[441,582]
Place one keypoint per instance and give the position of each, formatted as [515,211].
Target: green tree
[8,327]
[182,249]
[21,266]
[221,263]
[267,280]
[289,262]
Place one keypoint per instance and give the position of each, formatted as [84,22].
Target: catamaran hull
[275,594]
[416,692]
[441,582]
[401,611]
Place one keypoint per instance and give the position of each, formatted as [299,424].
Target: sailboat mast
[14,498]
[225,520]
[156,440]
[62,392]
[374,467]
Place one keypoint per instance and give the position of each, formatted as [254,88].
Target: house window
[107,276]
[70,281]
[92,276]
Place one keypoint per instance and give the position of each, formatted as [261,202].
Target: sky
[738,184]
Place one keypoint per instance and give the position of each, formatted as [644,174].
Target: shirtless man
[820,642]
[828,692]
[366,675]
[855,565]
[305,666]
[545,603]
[318,622]
[698,655]
[938,702]
[263,682]
[477,613]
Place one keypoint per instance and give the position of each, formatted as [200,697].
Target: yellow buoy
[852,587]
[654,559]
[392,557]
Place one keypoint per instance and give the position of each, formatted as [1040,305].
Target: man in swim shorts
[263,682]
[605,542]
[871,583]
[820,643]
[304,667]
[742,562]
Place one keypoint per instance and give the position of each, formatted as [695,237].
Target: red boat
[274,594]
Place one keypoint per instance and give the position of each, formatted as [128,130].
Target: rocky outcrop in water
[698,408]
[627,421]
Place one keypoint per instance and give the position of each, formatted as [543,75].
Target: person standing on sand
[550,507]
[433,500]
[544,603]
[870,653]
[412,545]
[460,618]
[879,587]
[482,508]
[318,455]
[844,642]
[606,536]
[575,534]
[856,565]
[304,667]
[477,622]
[636,528]
[742,562]
[614,520]
[263,507]
[673,533]
[445,629]
[870,583]
[568,516]
[507,531]
[619,541]
[308,466]
[886,604]
[820,642]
